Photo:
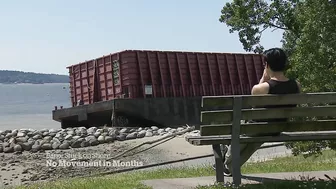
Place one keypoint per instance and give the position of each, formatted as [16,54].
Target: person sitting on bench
[273,81]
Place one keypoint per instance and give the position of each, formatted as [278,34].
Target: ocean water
[31,105]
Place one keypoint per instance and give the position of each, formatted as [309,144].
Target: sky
[47,36]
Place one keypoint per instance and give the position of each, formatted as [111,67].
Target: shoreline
[24,168]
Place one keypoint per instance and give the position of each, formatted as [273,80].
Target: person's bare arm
[260,89]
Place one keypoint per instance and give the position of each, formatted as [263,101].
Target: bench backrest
[219,113]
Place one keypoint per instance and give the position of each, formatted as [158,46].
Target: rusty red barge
[164,88]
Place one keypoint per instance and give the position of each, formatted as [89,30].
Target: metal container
[153,74]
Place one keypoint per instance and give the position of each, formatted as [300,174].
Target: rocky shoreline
[28,156]
[19,140]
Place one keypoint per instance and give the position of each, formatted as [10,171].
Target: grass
[132,180]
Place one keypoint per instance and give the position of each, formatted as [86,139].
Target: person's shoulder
[261,88]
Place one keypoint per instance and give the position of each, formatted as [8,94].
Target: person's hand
[265,77]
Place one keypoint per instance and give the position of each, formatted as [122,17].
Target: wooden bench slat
[284,137]
[261,128]
[225,116]
[262,100]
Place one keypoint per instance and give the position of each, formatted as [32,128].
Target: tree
[309,38]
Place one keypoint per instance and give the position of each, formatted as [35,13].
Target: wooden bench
[221,118]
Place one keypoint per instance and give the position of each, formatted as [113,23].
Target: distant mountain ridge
[12,77]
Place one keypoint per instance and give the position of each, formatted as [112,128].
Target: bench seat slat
[225,116]
[263,100]
[263,127]
[284,137]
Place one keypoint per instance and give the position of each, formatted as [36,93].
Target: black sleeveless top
[281,87]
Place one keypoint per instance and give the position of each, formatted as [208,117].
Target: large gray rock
[85,144]
[1,148]
[43,142]
[101,139]
[99,131]
[8,149]
[21,134]
[2,138]
[113,133]
[161,131]
[53,130]
[121,137]
[124,130]
[96,134]
[180,129]
[7,131]
[94,142]
[15,132]
[172,131]
[37,136]
[58,135]
[149,134]
[31,140]
[108,139]
[71,132]
[44,130]
[83,131]
[30,134]
[27,146]
[55,145]
[45,133]
[68,137]
[12,141]
[131,136]
[154,128]
[17,148]
[141,134]
[46,146]
[35,148]
[91,130]
[22,139]
[52,134]
[47,138]
[78,132]
[75,137]
[56,140]
[64,145]
[9,135]
[76,144]
[5,144]
[88,138]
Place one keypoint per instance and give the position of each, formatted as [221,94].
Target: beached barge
[164,88]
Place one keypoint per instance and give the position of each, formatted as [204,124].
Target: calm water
[30,105]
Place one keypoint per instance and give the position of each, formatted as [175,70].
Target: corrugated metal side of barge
[148,74]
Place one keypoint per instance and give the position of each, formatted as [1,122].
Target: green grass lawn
[132,180]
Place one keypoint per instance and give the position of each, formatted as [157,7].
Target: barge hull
[162,112]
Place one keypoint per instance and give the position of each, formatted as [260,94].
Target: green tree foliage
[9,77]
[309,38]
